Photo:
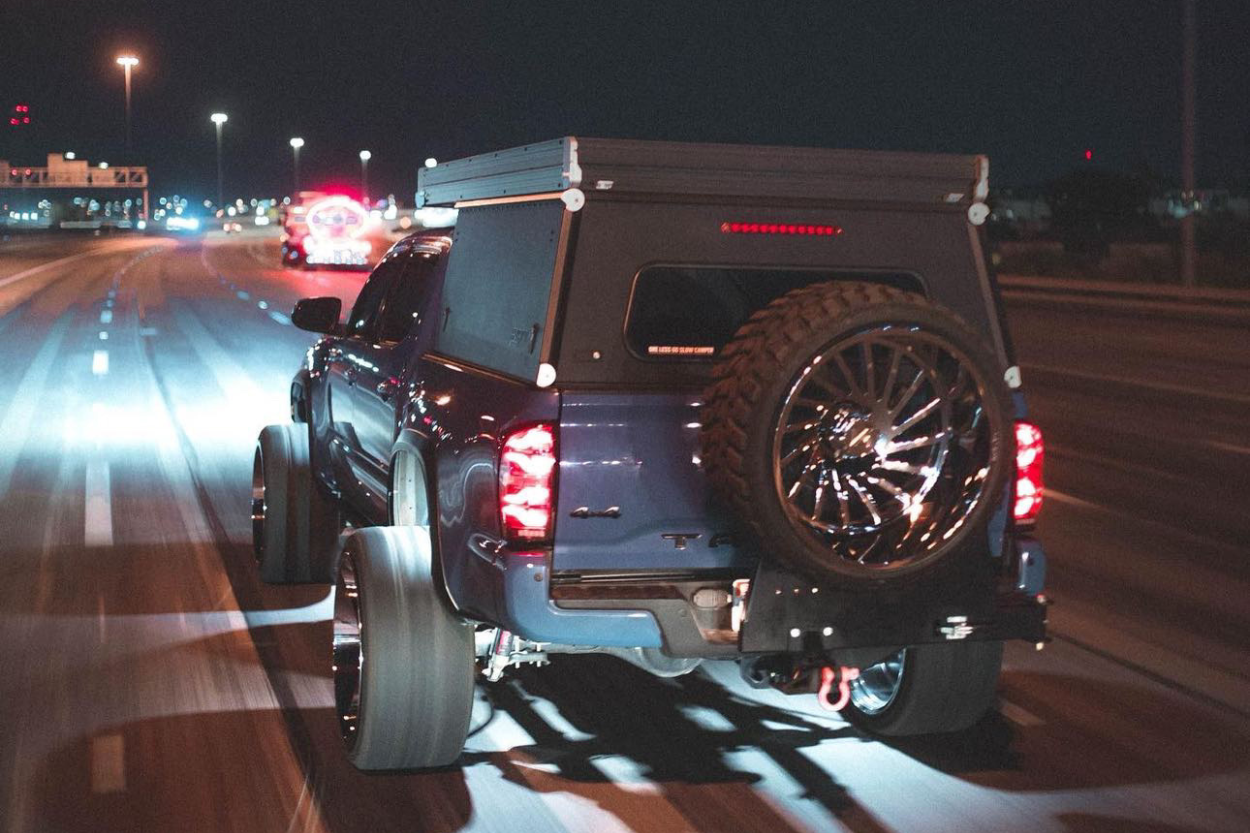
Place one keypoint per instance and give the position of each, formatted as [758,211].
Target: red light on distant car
[794,229]
[1030,450]
[526,480]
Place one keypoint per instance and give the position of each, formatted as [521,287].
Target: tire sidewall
[417,675]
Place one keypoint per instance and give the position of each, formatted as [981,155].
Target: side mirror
[317,315]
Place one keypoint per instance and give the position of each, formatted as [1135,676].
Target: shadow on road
[1093,734]
[654,724]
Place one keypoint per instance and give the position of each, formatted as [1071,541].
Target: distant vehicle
[669,403]
[182,224]
[231,227]
[327,231]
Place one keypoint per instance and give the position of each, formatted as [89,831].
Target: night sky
[1031,83]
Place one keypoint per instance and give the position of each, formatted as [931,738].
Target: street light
[296,144]
[127,62]
[219,119]
[365,156]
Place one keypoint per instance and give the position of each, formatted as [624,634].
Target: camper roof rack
[587,166]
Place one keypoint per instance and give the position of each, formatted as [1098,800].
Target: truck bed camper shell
[581,167]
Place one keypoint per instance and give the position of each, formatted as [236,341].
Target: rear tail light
[527,484]
[1027,497]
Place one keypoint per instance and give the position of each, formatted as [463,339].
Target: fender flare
[412,495]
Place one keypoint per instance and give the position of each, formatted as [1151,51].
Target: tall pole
[127,62]
[126,160]
[296,144]
[365,156]
[219,119]
[1188,92]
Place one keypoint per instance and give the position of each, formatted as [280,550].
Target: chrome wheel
[878,685]
[881,448]
[258,505]
[348,658]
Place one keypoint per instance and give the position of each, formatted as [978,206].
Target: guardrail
[1154,298]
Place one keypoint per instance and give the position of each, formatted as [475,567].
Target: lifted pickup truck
[673,403]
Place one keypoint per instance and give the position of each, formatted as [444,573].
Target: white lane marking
[1162,527]
[1235,449]
[104,336]
[1140,383]
[106,316]
[34,270]
[28,398]
[108,764]
[230,375]
[100,362]
[1018,714]
[98,517]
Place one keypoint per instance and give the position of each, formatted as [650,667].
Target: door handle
[387,388]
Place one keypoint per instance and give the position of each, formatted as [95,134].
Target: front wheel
[295,525]
[927,689]
[403,661]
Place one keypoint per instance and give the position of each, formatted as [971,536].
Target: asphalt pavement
[152,683]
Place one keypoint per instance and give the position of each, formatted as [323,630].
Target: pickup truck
[674,403]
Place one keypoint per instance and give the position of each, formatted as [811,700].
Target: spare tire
[859,433]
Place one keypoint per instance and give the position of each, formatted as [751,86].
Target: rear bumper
[528,610]
[977,600]
[784,614]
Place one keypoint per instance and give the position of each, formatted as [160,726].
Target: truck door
[378,394]
[347,358]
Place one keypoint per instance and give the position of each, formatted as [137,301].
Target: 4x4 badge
[587,512]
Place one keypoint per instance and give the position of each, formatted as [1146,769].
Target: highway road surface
[149,682]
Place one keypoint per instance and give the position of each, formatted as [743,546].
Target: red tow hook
[842,676]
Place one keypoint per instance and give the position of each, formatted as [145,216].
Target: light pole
[296,144]
[365,156]
[127,62]
[1188,94]
[219,119]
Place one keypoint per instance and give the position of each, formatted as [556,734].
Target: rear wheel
[295,526]
[927,689]
[403,662]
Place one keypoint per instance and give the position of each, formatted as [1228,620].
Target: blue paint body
[639,453]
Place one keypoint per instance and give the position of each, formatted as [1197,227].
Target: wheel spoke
[870,370]
[819,505]
[844,499]
[790,457]
[808,402]
[866,499]
[919,442]
[895,465]
[891,376]
[915,418]
[912,390]
[852,383]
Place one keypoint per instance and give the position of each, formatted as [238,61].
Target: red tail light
[1027,498]
[526,483]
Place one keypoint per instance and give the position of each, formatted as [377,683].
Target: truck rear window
[691,312]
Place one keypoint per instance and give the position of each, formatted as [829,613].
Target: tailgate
[631,491]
